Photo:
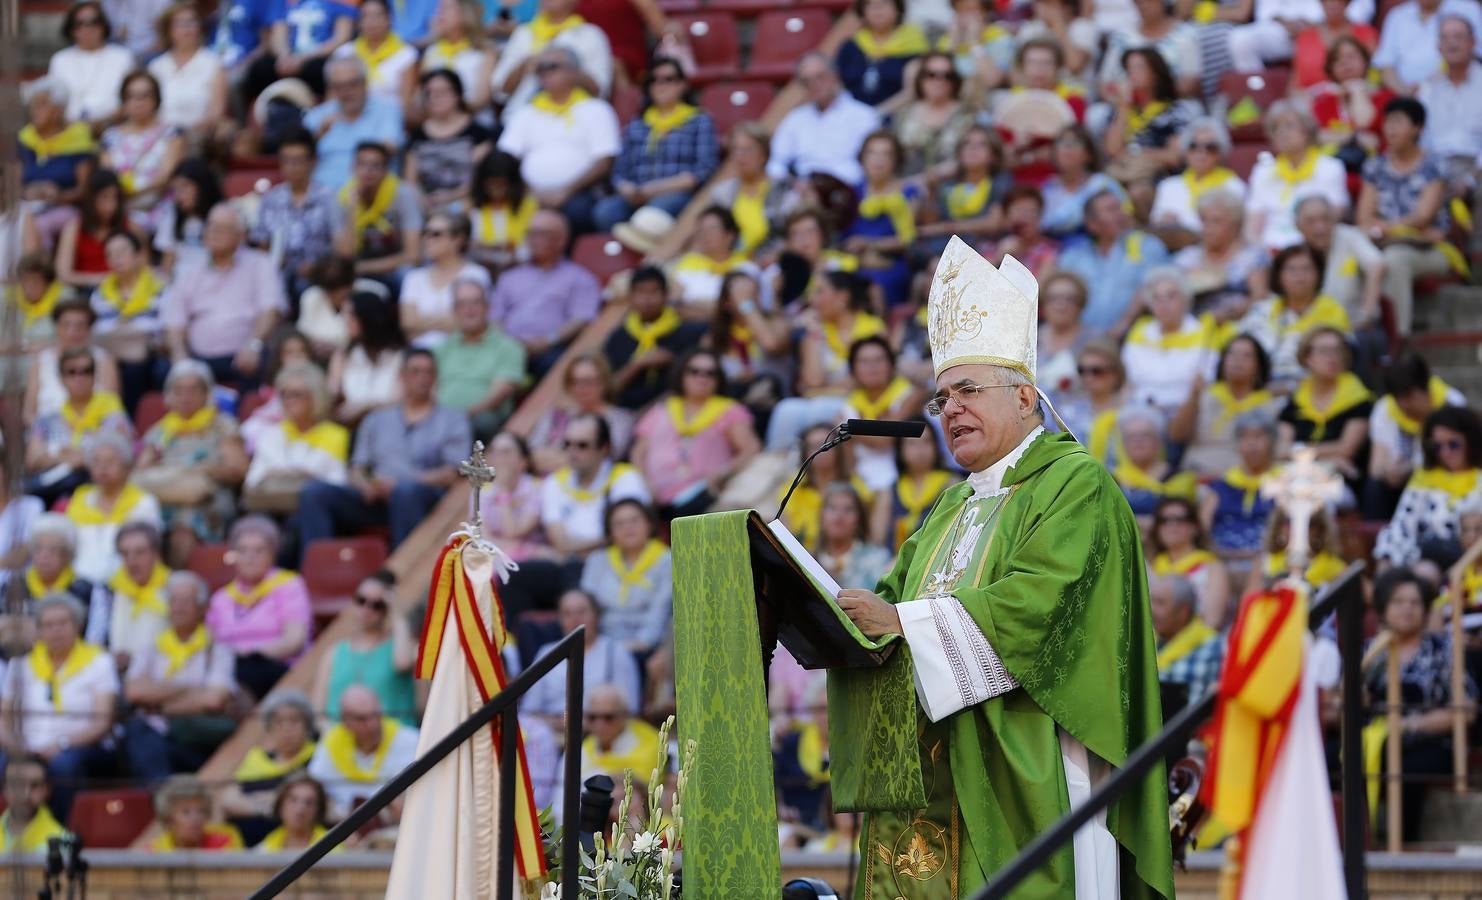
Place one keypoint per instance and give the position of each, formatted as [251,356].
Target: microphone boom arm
[841,434]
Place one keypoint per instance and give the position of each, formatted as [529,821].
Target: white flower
[551,891]
[647,842]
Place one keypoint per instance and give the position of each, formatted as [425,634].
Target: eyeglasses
[1206,146]
[68,373]
[668,79]
[1452,444]
[1174,520]
[578,445]
[345,84]
[701,372]
[1086,371]
[377,604]
[86,23]
[434,232]
[942,74]
[600,717]
[962,394]
[549,66]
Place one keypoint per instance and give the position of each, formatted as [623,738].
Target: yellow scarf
[710,412]
[1130,476]
[1186,565]
[637,576]
[566,478]
[914,498]
[34,837]
[74,140]
[38,588]
[699,262]
[749,209]
[1103,430]
[1139,118]
[99,407]
[894,205]
[1323,311]
[1148,333]
[988,35]
[340,744]
[543,102]
[78,658]
[1293,176]
[1182,644]
[1247,483]
[1230,407]
[149,596]
[638,754]
[1198,186]
[543,30]
[905,40]
[274,580]
[276,838]
[502,227]
[173,424]
[177,652]
[257,765]
[327,437]
[443,53]
[1349,393]
[864,325]
[898,388]
[146,286]
[373,58]
[648,334]
[661,123]
[1323,568]
[1438,390]
[217,836]
[373,216]
[42,308]
[83,509]
[1455,485]
[967,200]
[804,513]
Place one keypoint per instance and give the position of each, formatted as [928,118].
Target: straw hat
[644,229]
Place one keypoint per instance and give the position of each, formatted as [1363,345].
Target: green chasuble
[1057,585]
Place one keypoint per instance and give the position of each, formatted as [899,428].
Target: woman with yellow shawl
[301,806]
[804,513]
[36,293]
[101,508]
[1143,470]
[1424,525]
[1326,560]
[1179,546]
[880,392]
[250,800]
[885,227]
[1205,422]
[390,62]
[872,64]
[1330,408]
[502,209]
[58,441]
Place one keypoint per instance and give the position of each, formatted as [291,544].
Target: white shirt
[342,792]
[587,41]
[581,518]
[1350,255]
[1175,202]
[1385,432]
[1361,11]
[1160,376]
[97,557]
[367,382]
[42,723]
[386,78]
[811,140]
[274,452]
[1276,200]
[554,150]
[186,89]
[1411,45]
[92,77]
[418,292]
[16,519]
[1453,126]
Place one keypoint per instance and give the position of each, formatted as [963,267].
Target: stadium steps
[41,33]
[1449,335]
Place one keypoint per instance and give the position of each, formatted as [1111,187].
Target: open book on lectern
[795,595]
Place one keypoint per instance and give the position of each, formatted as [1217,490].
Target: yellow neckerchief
[637,576]
[812,755]
[42,308]
[177,652]
[637,756]
[100,406]
[75,139]
[1139,118]
[339,743]
[1230,407]
[1455,485]
[146,286]
[271,582]
[1323,568]
[148,596]
[543,102]
[38,588]
[78,658]
[915,497]
[83,509]
[1062,90]
[749,209]
[1323,311]
[443,53]
[1133,246]
[1182,644]
[276,838]
[1471,587]
[898,388]
[173,424]
[1130,476]
[543,30]
[1350,392]
[42,828]
[1293,176]
[648,334]
[905,40]
[1247,483]
[864,325]
[1438,390]
[566,478]
[505,227]
[1198,186]
[966,200]
[227,838]
[699,262]
[327,437]
[1103,429]
[257,765]
[1163,564]
[988,35]
[373,216]
[709,413]
[1192,334]
[373,58]
[894,205]
[661,123]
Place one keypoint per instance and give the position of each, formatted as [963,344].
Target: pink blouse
[675,463]
[247,629]
[522,501]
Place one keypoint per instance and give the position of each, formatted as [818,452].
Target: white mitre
[979,315]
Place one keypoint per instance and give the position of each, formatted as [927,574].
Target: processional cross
[1301,488]
[478,473]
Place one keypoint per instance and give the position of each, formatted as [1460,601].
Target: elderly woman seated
[1179,546]
[138,608]
[1330,408]
[1143,470]
[53,546]
[1424,525]
[99,509]
[59,701]
[1232,508]
[1225,271]
[1204,423]
[1171,348]
[1296,307]
[263,613]
[301,806]
[57,444]
[286,748]
[632,580]
[1205,146]
[305,445]
[56,157]
[1297,169]
[183,808]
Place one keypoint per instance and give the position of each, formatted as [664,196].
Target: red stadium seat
[240,183]
[150,410]
[334,567]
[111,818]
[1243,157]
[250,403]
[1261,90]
[679,6]
[733,102]
[716,45]
[782,36]
[603,256]
[627,102]
[212,562]
[744,8]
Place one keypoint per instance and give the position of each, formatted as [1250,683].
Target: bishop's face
[982,428]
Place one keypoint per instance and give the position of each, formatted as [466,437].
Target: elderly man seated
[362,752]
[616,741]
[137,607]
[27,823]
[1189,651]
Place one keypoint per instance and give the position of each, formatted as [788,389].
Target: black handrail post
[508,763]
[1355,797]
[571,797]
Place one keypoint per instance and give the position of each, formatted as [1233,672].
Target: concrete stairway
[1448,333]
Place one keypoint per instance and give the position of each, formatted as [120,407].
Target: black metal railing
[1344,595]
[571,650]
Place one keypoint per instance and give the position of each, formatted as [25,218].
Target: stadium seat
[240,183]
[1250,96]
[679,6]
[210,561]
[782,37]
[150,410]
[1243,157]
[627,102]
[603,256]
[111,818]
[744,8]
[733,102]
[250,403]
[716,45]
[334,567]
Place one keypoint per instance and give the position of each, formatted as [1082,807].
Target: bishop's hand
[871,615]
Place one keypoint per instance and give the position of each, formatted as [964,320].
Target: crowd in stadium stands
[279,263]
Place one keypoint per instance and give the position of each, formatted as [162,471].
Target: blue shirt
[521,13]
[239,28]
[380,121]
[1113,279]
[311,22]
[1065,210]
[412,19]
[691,148]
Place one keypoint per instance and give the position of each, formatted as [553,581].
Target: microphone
[890,428]
[839,436]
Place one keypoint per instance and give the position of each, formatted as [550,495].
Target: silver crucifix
[478,473]
[1301,488]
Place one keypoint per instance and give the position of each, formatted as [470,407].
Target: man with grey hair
[824,133]
[138,609]
[516,77]
[1354,270]
[53,549]
[480,367]
[350,117]
[222,309]
[1189,651]
[181,688]
[1112,259]
[1453,99]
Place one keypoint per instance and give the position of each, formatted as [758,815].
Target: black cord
[840,436]
[853,854]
